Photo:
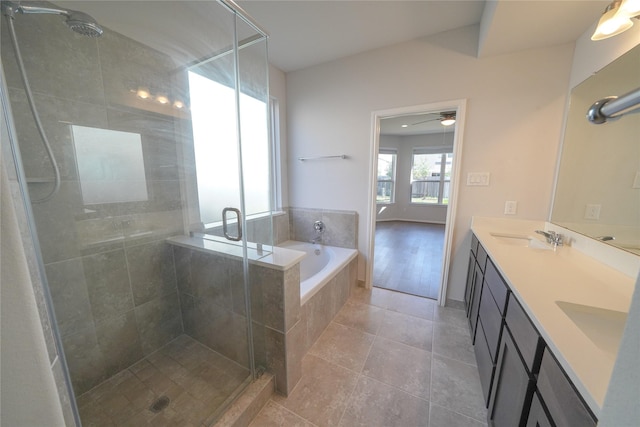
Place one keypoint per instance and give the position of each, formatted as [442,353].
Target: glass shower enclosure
[139,147]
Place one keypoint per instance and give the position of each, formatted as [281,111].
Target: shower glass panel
[156,125]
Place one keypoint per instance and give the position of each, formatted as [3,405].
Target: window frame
[446,155]
[392,197]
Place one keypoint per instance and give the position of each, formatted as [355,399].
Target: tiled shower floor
[195,379]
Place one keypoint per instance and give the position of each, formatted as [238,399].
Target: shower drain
[160,403]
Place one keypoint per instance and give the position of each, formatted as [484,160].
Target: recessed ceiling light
[405,126]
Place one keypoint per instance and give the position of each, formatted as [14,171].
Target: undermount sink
[604,327]
[520,240]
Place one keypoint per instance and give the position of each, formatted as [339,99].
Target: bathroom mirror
[598,186]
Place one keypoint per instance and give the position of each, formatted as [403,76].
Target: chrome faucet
[556,239]
[318,226]
[605,238]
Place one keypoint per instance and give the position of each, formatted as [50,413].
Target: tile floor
[387,359]
[196,380]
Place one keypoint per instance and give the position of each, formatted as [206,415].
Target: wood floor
[408,257]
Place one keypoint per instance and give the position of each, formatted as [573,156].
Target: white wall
[403,209]
[514,116]
[28,394]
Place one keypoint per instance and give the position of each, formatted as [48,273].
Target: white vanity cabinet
[522,382]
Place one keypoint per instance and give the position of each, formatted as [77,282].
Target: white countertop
[539,278]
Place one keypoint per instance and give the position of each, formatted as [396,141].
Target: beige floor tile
[453,316]
[343,346]
[456,387]
[274,415]
[453,342]
[364,317]
[322,394]
[442,417]
[375,296]
[377,404]
[399,365]
[412,305]
[407,329]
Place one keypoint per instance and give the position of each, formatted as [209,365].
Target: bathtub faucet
[318,226]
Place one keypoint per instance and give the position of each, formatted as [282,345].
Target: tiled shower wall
[112,277]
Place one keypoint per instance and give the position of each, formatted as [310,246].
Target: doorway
[415,163]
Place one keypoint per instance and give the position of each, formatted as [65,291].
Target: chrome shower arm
[614,107]
[37,9]
[10,8]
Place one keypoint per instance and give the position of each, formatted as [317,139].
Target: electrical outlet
[592,212]
[510,207]
[478,178]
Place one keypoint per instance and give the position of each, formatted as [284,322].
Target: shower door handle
[238,237]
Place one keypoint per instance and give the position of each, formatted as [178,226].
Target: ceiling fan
[447,118]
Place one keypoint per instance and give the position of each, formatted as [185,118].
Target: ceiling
[416,124]
[304,33]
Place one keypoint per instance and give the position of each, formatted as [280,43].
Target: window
[215,134]
[386,176]
[430,177]
[276,163]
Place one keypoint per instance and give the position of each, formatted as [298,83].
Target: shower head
[83,24]
[79,22]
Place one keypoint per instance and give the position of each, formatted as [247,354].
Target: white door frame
[459,105]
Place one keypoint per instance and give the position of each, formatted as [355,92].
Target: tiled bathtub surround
[212,294]
[212,298]
[341,227]
[315,316]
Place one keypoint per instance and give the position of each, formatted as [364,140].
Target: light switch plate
[478,178]
[636,181]
[592,212]
[510,207]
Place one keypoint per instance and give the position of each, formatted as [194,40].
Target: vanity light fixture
[616,18]
[448,120]
[143,93]
[162,98]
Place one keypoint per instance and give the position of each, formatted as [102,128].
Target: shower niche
[155,124]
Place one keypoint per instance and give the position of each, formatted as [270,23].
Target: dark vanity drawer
[563,402]
[474,244]
[491,321]
[525,335]
[498,287]
[481,257]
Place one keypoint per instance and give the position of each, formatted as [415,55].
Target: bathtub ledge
[271,257]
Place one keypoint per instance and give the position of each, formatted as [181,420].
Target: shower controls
[318,226]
